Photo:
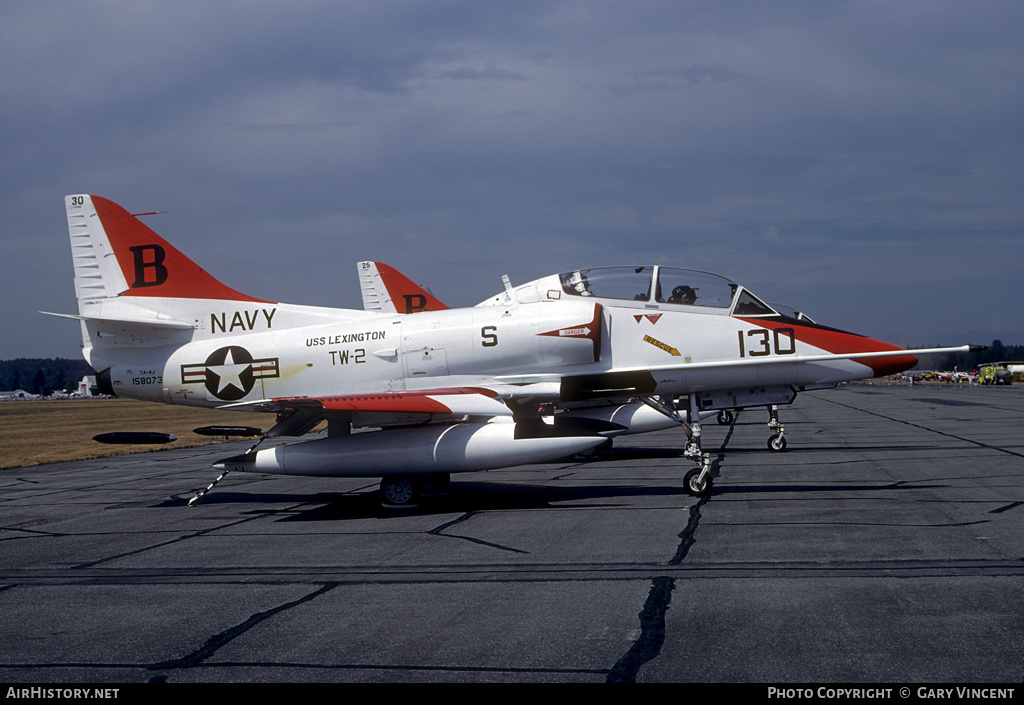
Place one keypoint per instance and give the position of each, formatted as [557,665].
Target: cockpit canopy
[663,285]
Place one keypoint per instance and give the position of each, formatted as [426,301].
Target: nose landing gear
[697,482]
[777,442]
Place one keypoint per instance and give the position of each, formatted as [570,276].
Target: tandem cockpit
[648,286]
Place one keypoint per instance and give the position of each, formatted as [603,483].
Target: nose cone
[843,343]
[885,366]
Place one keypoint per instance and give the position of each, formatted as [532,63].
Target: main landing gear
[698,482]
[777,441]
[405,491]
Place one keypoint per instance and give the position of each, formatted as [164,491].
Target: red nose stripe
[841,342]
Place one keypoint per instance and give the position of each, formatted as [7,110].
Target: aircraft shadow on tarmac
[463,497]
[821,488]
[808,452]
[498,495]
[630,454]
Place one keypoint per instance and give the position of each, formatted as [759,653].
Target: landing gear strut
[777,442]
[697,482]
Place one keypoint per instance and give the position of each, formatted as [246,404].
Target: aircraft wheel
[777,443]
[593,453]
[725,417]
[695,486]
[399,492]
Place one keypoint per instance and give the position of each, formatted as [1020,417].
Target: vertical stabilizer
[115,255]
[135,291]
[386,289]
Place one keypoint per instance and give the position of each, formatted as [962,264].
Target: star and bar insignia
[230,373]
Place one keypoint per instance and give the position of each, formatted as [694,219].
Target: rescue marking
[664,346]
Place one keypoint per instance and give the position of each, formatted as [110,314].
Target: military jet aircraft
[538,372]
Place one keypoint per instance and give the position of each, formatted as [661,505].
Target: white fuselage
[266,351]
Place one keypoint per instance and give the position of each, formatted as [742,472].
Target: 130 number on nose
[760,342]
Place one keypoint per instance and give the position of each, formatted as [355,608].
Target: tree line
[996,352]
[42,375]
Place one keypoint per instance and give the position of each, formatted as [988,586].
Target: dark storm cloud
[845,154]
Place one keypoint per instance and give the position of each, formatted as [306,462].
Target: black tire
[777,443]
[399,492]
[725,417]
[693,487]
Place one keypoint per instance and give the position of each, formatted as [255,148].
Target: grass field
[55,431]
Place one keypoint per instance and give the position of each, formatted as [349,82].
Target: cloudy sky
[861,161]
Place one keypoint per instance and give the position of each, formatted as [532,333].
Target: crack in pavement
[652,633]
[648,645]
[214,643]
[466,517]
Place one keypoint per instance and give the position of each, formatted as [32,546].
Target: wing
[298,415]
[641,381]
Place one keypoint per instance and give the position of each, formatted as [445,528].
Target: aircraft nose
[885,366]
[841,342]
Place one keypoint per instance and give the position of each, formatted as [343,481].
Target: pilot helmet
[578,282]
[684,295]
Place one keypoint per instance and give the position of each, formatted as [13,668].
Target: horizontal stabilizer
[150,322]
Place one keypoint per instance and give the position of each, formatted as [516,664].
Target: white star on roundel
[229,374]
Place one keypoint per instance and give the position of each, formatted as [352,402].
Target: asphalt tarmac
[886,545]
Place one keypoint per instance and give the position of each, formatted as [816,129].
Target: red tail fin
[151,266]
[386,289]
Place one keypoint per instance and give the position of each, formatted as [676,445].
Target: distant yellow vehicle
[996,373]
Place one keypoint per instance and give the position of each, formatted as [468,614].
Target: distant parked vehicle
[994,374]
